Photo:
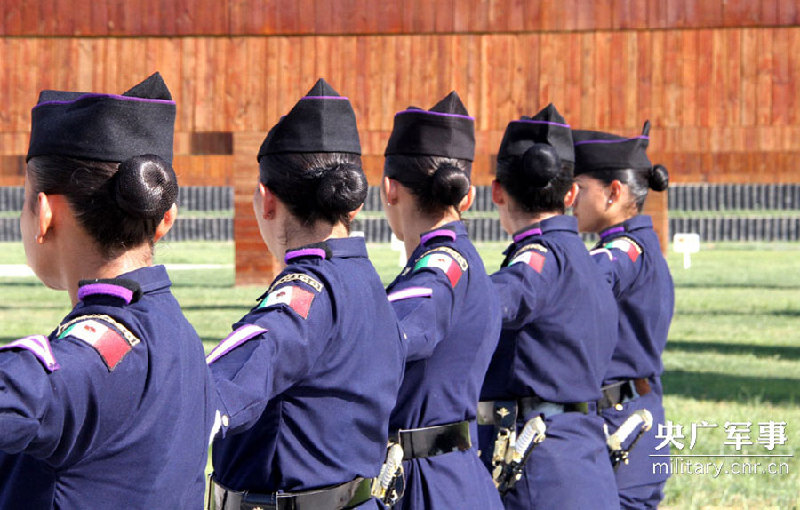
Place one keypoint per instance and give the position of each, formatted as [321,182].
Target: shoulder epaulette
[111,339]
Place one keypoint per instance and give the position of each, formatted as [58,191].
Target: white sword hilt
[642,418]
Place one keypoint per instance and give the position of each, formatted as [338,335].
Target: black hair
[119,204]
[537,180]
[316,185]
[437,182]
[639,181]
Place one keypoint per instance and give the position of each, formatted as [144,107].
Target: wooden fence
[719,79]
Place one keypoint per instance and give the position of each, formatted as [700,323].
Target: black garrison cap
[104,127]
[321,121]
[547,126]
[597,151]
[445,130]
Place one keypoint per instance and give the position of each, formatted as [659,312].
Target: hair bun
[658,178]
[145,186]
[540,165]
[342,188]
[449,184]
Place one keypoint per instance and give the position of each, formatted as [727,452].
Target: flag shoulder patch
[294,296]
[111,339]
[533,255]
[446,259]
[627,245]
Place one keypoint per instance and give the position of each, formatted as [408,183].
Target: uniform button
[225,420]
[618,407]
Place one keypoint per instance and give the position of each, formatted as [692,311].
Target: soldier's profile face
[589,206]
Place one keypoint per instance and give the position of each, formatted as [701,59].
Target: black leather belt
[618,393]
[339,497]
[529,406]
[436,440]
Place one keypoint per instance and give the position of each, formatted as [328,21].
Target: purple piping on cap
[39,346]
[622,140]
[526,121]
[437,233]
[531,232]
[107,289]
[341,98]
[409,293]
[234,340]
[306,252]
[438,114]
[612,230]
[109,96]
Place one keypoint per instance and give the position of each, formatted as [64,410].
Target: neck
[519,222]
[318,233]
[416,225]
[615,219]
[91,266]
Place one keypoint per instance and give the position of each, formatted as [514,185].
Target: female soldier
[446,306]
[614,175]
[112,408]
[310,375]
[559,326]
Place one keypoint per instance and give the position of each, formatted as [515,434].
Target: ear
[390,190]
[352,214]
[45,206]
[268,201]
[615,192]
[498,193]
[468,199]
[572,194]
[166,223]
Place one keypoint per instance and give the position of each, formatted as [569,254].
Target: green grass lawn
[733,353]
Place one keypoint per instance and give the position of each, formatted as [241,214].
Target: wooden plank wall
[724,103]
[719,79]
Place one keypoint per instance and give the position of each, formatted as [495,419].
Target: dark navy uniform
[112,409]
[448,309]
[559,330]
[630,256]
[309,376]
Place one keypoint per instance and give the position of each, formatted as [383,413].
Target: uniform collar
[342,247]
[559,222]
[635,223]
[149,278]
[448,232]
[346,247]
[127,287]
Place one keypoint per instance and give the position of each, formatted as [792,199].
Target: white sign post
[686,244]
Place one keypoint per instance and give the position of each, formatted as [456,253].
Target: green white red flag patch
[532,258]
[444,262]
[297,298]
[107,341]
[625,245]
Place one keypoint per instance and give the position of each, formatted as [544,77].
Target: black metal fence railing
[707,198]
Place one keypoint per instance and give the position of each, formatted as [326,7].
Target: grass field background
[733,353]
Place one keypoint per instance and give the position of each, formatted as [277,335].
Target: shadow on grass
[786,312]
[733,285]
[784,352]
[733,388]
